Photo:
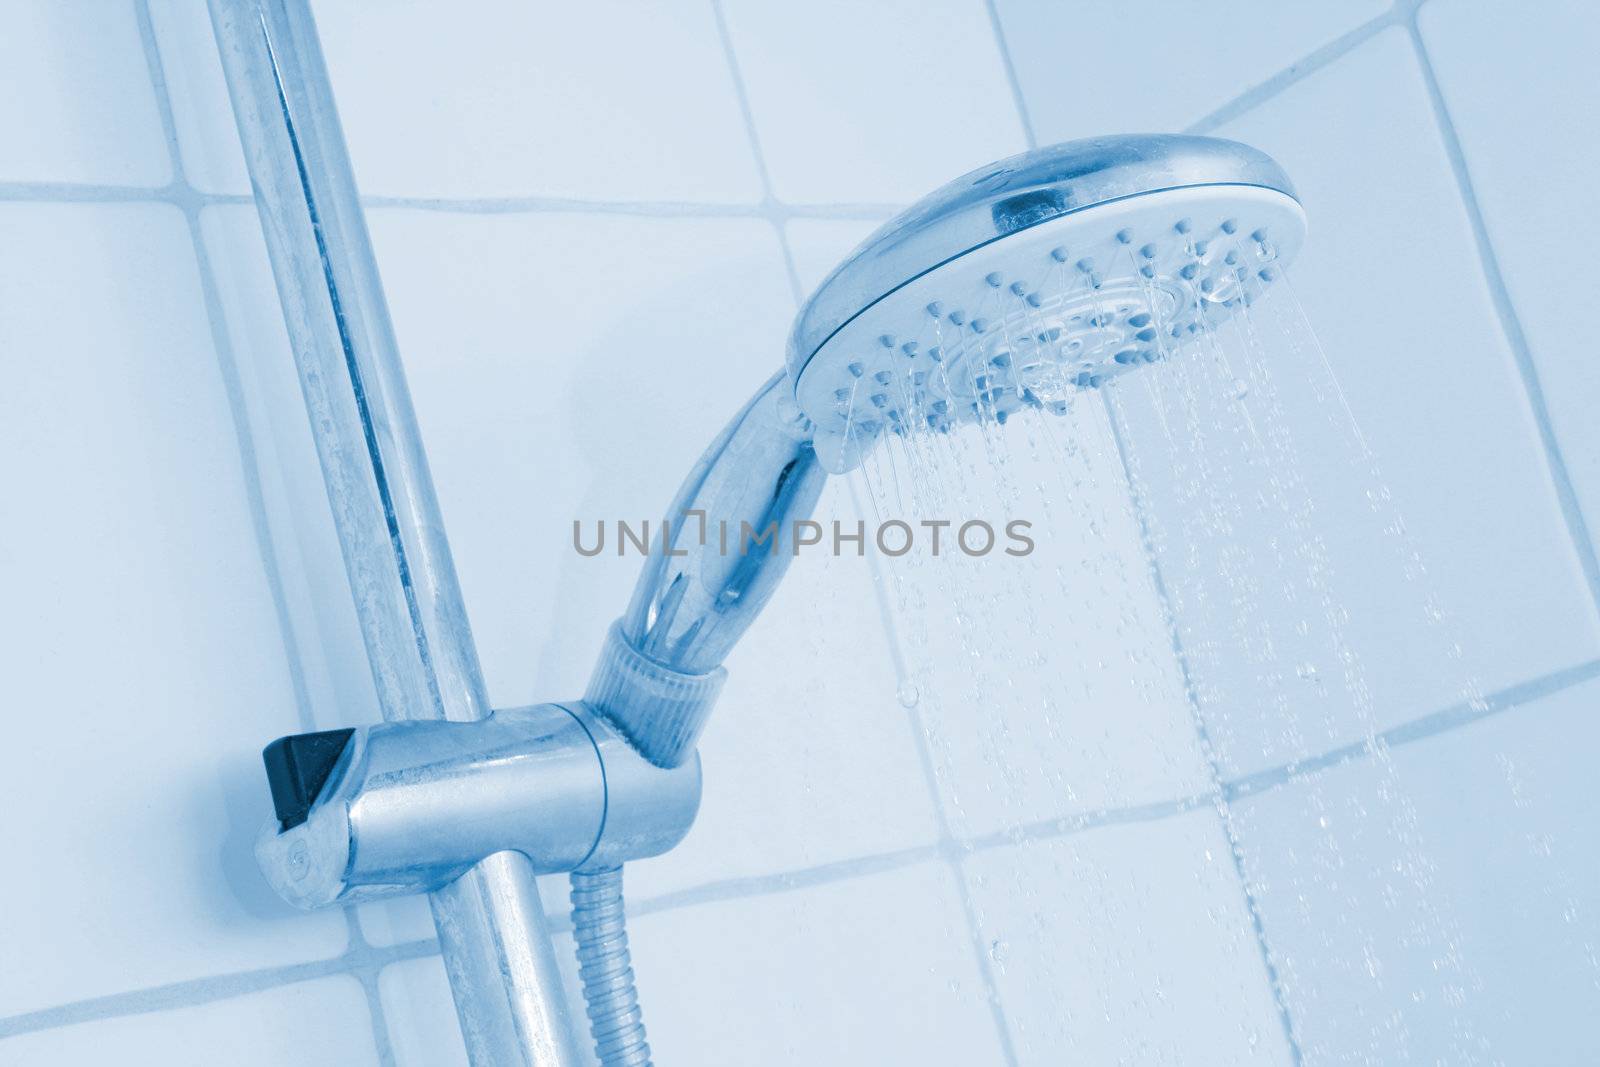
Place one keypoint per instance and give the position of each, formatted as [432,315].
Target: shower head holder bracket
[407,807]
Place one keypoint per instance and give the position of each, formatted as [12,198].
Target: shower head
[1015,286]
[1036,277]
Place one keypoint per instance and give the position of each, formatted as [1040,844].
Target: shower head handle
[726,538]
[725,543]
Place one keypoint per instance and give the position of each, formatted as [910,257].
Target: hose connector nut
[660,710]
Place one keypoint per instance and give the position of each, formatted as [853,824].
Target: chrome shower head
[1017,285]
[1038,276]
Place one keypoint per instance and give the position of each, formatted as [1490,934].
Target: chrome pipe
[492,930]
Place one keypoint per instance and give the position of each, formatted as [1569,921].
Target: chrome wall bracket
[408,807]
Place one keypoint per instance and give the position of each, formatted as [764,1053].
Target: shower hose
[599,927]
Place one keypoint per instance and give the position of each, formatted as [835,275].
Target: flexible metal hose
[599,927]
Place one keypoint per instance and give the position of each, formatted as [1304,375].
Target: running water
[1220,633]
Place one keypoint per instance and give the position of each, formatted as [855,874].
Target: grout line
[948,844]
[519,205]
[805,878]
[366,967]
[227,362]
[200,991]
[163,998]
[794,880]
[880,580]
[1257,783]
[1078,822]
[765,209]
[1578,529]
[1012,79]
[1302,68]
[865,212]
[78,193]
[770,208]
[156,70]
[1434,724]
[184,197]
[1207,749]
[73,193]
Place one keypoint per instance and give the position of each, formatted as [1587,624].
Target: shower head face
[1035,278]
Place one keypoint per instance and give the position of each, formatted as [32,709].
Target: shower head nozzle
[1034,278]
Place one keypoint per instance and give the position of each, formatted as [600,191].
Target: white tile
[202,111]
[324,1023]
[598,101]
[874,970]
[570,368]
[873,102]
[320,612]
[397,920]
[1525,116]
[1364,902]
[141,618]
[82,108]
[1389,281]
[1129,944]
[1100,66]
[421,1014]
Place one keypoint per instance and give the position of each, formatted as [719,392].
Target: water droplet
[1241,388]
[908,694]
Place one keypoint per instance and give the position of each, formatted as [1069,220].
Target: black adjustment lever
[298,767]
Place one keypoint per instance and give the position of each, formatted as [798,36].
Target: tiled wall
[594,222]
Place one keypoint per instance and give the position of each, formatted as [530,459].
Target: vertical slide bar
[492,930]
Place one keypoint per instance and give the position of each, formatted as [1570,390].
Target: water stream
[1188,653]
